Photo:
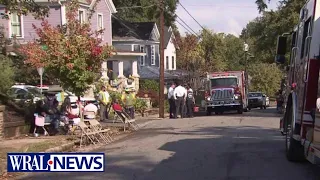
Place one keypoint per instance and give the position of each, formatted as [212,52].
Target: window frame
[142,58]
[102,24]
[172,62]
[167,62]
[153,55]
[79,16]
[20,17]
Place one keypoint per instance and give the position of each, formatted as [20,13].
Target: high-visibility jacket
[103,98]
[128,99]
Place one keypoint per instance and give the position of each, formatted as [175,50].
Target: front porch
[121,71]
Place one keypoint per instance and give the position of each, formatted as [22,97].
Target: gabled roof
[86,2]
[167,35]
[124,30]
[152,72]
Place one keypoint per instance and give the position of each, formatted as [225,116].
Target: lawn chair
[103,133]
[87,132]
[40,122]
[126,119]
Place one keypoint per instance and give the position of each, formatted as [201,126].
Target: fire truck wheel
[294,149]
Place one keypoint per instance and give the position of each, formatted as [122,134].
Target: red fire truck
[226,91]
[301,120]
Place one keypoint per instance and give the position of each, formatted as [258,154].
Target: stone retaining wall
[11,124]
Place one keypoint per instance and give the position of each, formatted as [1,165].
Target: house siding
[170,51]
[29,33]
[122,47]
[103,8]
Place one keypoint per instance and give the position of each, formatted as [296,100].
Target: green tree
[24,7]
[148,10]
[265,78]
[72,54]
[6,74]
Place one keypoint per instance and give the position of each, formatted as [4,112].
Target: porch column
[104,71]
[135,68]
[120,68]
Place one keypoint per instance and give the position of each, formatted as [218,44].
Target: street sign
[40,71]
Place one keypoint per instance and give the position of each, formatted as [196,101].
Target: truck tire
[294,149]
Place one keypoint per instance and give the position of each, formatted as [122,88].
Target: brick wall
[1,121]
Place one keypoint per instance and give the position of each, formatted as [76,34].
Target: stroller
[123,116]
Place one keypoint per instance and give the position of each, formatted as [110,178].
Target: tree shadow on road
[213,153]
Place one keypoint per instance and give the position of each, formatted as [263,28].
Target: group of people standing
[181,100]
[105,102]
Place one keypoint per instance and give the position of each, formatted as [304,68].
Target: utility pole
[161,95]
[246,49]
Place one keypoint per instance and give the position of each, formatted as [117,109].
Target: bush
[6,74]
[140,106]
[149,85]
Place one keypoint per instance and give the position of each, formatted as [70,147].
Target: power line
[191,15]
[186,25]
[133,7]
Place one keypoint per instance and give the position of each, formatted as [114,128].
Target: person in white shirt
[179,96]
[172,106]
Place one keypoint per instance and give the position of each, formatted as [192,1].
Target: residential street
[226,147]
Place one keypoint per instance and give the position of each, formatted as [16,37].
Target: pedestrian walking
[190,101]
[179,96]
[104,103]
[172,105]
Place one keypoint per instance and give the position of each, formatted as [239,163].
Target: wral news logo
[55,162]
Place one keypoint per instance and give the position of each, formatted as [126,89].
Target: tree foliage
[72,54]
[265,78]
[148,10]
[6,74]
[24,7]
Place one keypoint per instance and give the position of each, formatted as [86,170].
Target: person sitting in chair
[119,110]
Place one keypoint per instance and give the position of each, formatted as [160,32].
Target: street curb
[62,148]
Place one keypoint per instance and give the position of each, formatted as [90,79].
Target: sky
[228,16]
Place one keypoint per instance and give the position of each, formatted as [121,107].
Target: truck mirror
[281,49]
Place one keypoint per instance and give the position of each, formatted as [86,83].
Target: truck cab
[226,92]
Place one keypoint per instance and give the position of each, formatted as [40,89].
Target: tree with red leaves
[71,53]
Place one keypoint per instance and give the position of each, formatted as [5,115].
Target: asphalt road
[225,147]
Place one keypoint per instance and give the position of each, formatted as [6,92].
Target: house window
[167,62]
[173,63]
[81,16]
[153,61]
[100,22]
[16,25]
[142,58]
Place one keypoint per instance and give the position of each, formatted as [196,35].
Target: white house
[170,50]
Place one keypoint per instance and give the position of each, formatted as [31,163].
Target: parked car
[258,99]
[25,93]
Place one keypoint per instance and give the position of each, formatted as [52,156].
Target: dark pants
[189,104]
[179,107]
[172,108]
[103,112]
[53,120]
[130,111]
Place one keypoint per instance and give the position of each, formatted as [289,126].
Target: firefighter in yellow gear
[104,103]
[128,99]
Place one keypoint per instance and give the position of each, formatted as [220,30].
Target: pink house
[21,26]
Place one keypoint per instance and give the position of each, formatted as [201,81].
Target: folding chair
[127,120]
[97,127]
[87,132]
